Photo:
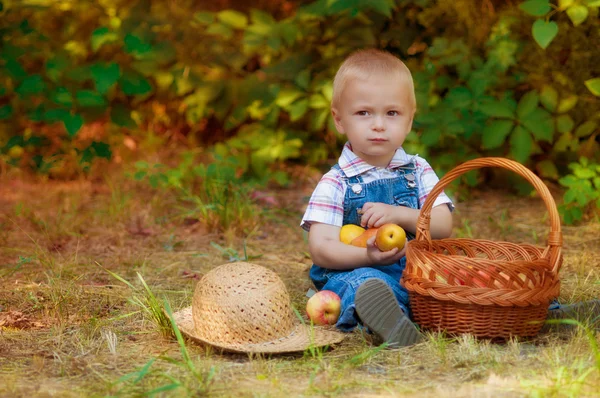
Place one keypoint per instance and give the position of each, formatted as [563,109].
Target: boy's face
[376,115]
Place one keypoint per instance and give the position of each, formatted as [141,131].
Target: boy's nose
[378,124]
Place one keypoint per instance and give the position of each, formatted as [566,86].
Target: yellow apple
[361,241]
[390,236]
[323,308]
[349,232]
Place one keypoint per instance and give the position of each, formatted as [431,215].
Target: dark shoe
[379,310]
[585,311]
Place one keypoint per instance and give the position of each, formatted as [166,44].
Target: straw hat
[243,307]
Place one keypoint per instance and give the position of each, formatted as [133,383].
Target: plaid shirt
[326,204]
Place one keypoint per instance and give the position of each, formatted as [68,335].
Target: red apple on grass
[324,307]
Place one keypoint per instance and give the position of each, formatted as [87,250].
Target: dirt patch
[18,320]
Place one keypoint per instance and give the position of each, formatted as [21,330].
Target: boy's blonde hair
[363,63]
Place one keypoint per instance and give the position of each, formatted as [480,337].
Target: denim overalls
[401,190]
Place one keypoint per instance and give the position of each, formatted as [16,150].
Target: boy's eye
[393,113]
[362,113]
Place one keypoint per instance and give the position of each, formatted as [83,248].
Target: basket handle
[554,242]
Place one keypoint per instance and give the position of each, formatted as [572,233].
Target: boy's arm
[377,214]
[328,251]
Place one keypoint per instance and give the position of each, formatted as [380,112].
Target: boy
[375,182]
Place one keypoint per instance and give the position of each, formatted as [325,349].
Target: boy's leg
[584,311]
[379,310]
[346,284]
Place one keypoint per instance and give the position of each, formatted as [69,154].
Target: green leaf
[56,67]
[497,109]
[565,143]
[547,169]
[544,32]
[121,116]
[15,70]
[220,29]
[549,97]
[136,46]
[95,149]
[33,84]
[204,17]
[274,42]
[567,103]
[564,123]
[105,76]
[102,36]
[594,86]
[563,4]
[55,115]
[527,104]
[459,97]
[5,112]
[72,122]
[232,18]
[298,109]
[287,96]
[134,84]
[583,173]
[578,13]
[384,7]
[89,99]
[521,144]
[586,129]
[537,8]
[540,124]
[570,196]
[303,79]
[62,96]
[317,101]
[318,118]
[592,3]
[494,135]
[568,181]
[102,149]
[289,32]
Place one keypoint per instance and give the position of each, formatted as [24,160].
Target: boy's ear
[337,120]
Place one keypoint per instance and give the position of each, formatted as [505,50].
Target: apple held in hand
[349,232]
[324,307]
[390,236]
[361,240]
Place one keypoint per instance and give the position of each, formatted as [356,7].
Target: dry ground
[67,327]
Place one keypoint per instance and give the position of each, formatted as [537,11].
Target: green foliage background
[493,78]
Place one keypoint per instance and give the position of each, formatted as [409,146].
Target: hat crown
[242,303]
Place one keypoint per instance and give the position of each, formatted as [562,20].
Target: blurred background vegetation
[238,92]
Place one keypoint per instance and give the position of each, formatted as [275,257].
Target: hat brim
[301,338]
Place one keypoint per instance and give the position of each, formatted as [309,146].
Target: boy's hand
[376,214]
[378,257]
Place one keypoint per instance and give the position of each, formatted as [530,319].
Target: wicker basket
[486,288]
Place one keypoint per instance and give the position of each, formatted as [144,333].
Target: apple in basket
[323,307]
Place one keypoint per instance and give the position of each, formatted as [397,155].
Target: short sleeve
[428,179]
[326,204]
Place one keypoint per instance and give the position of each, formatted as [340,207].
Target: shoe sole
[585,311]
[379,310]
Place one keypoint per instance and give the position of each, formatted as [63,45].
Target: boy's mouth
[377,140]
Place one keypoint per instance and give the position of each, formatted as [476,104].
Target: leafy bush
[517,80]
[583,190]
